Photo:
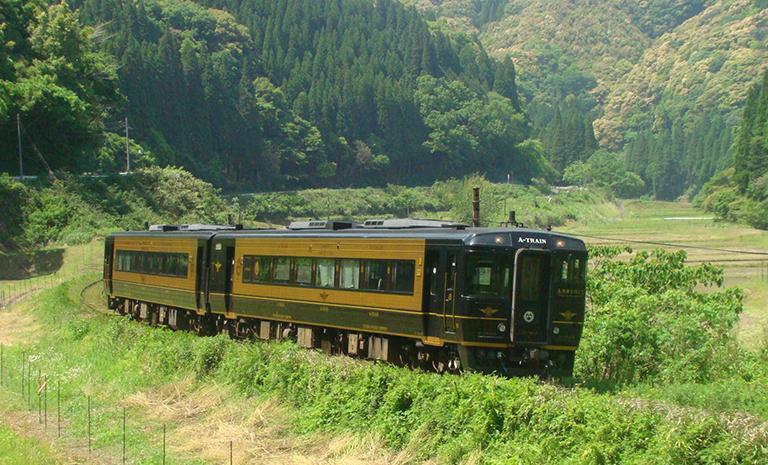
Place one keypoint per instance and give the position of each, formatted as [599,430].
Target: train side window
[183,265]
[325,272]
[487,276]
[350,274]
[402,275]
[261,269]
[304,271]
[282,269]
[479,275]
[375,275]
[248,269]
[165,264]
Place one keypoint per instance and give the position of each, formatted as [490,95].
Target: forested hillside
[260,94]
[740,193]
[663,81]
[639,97]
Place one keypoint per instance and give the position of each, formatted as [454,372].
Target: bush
[649,319]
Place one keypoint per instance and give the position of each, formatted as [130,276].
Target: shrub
[649,319]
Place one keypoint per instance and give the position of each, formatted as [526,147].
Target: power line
[669,244]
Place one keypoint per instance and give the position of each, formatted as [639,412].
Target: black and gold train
[420,293]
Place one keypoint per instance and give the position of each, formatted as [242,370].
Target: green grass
[451,419]
[448,418]
[17,450]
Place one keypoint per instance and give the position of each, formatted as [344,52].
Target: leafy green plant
[649,319]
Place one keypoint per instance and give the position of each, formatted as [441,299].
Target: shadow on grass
[24,265]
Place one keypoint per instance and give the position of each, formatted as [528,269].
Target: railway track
[84,301]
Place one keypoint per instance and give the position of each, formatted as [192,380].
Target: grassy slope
[17,450]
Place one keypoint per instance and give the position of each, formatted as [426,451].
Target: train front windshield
[488,275]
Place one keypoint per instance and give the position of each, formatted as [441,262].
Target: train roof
[506,237]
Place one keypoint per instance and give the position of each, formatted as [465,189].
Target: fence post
[123,435]
[230,452]
[29,384]
[39,398]
[22,375]
[45,403]
[1,365]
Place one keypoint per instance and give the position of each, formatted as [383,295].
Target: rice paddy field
[646,225]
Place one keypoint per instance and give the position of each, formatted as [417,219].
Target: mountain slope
[260,94]
[566,47]
[709,62]
[664,79]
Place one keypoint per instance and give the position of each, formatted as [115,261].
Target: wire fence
[40,396]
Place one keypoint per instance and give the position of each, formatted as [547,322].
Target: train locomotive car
[419,293]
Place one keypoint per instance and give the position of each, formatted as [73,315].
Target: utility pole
[127,152]
[18,135]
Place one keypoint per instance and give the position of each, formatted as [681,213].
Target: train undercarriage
[400,351]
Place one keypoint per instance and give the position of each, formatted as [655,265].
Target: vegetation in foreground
[660,400]
[16,450]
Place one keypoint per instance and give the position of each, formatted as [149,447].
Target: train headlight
[556,330]
[502,327]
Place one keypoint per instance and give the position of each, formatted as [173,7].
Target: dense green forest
[740,193]
[265,95]
[662,82]
[284,94]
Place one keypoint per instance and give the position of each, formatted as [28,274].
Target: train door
[449,296]
[441,285]
[221,275]
[530,296]
[230,274]
[109,250]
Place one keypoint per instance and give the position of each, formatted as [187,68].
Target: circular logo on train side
[528,316]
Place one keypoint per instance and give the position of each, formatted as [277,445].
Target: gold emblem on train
[489,311]
[568,315]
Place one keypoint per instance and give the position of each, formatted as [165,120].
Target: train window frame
[574,273]
[499,276]
[249,263]
[285,273]
[331,264]
[394,267]
[382,284]
[311,275]
[349,268]
[168,264]
[328,273]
